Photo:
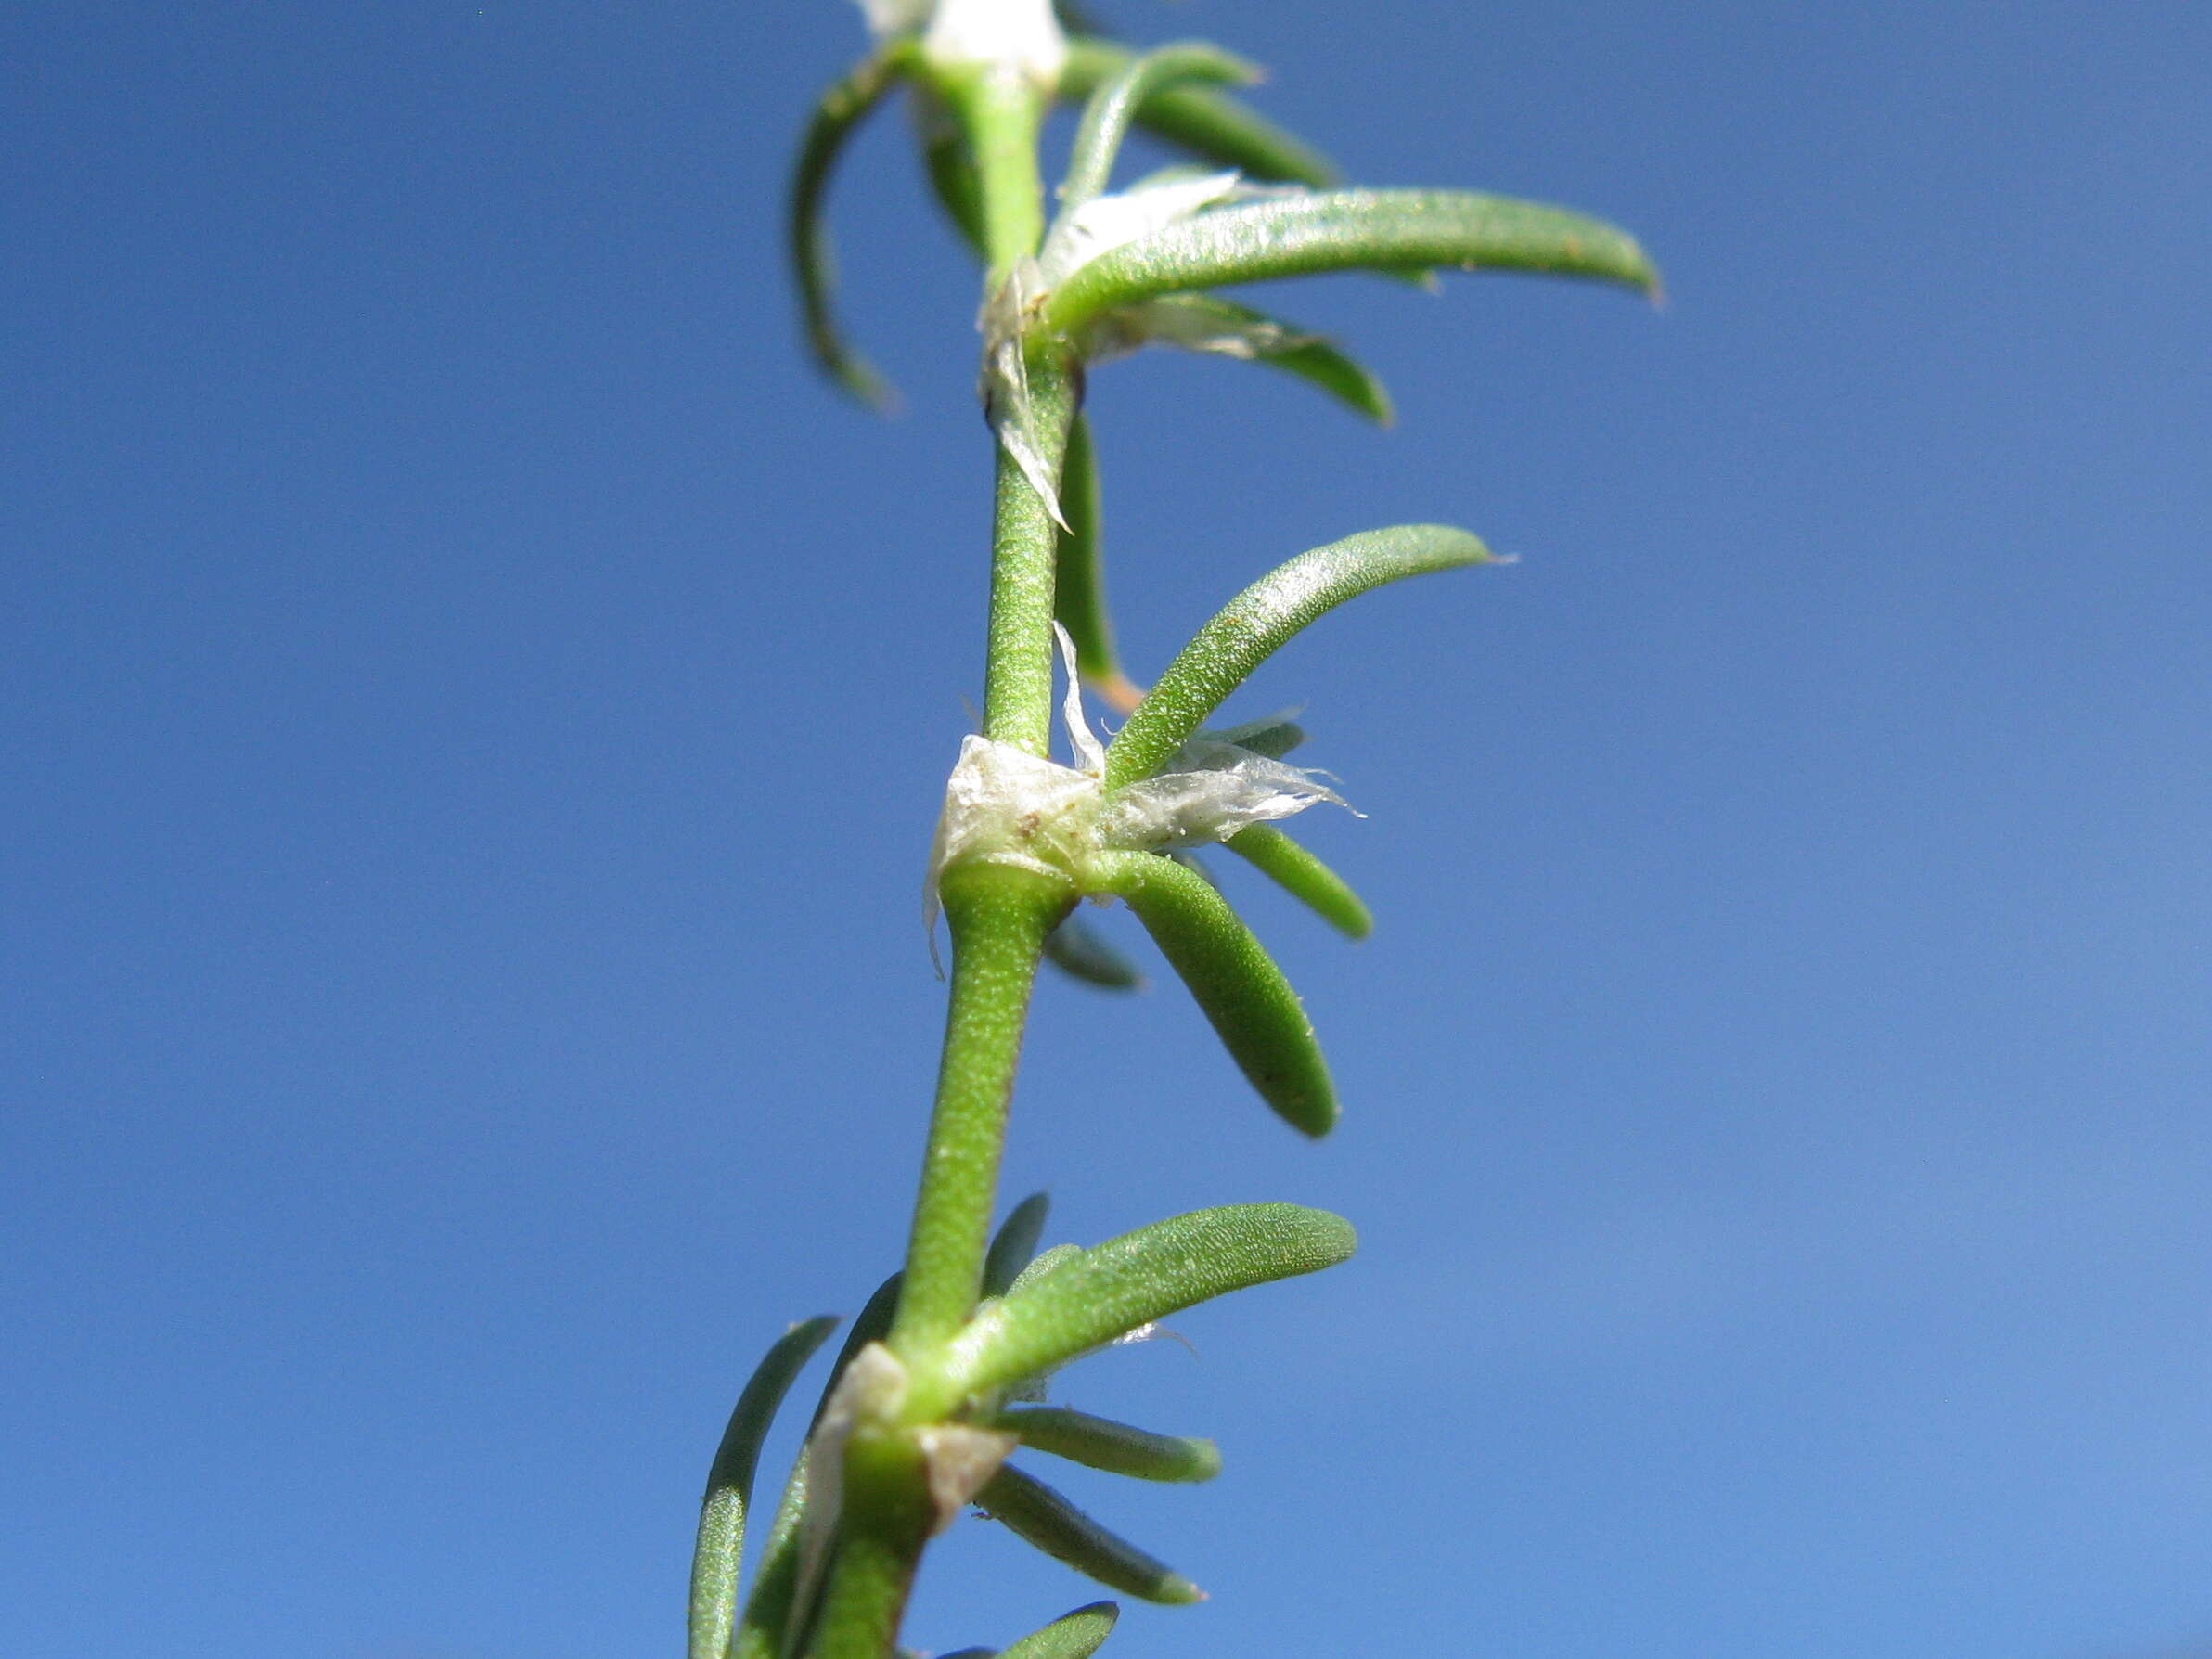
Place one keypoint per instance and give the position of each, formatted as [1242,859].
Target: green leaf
[1206,123]
[1113,105]
[1075,1635]
[1250,627]
[1274,736]
[1079,586]
[950,164]
[842,108]
[1041,1516]
[1348,230]
[871,1325]
[1100,1442]
[1099,1294]
[1079,950]
[1016,1243]
[721,1546]
[1048,1261]
[1252,1007]
[1303,877]
[1208,323]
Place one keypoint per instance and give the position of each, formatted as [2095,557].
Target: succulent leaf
[1113,105]
[1207,123]
[1090,1298]
[1075,1635]
[1303,877]
[1080,951]
[1348,230]
[1242,993]
[1116,1448]
[1246,631]
[1034,1512]
[1015,1244]
[841,111]
[720,1544]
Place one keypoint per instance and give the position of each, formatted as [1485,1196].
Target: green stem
[1002,112]
[998,917]
[1024,561]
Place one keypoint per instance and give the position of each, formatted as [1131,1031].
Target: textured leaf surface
[1098,1294]
[1348,230]
[1238,986]
[1246,631]
[1116,1448]
[719,1553]
[1041,1516]
[1076,1635]
[1305,877]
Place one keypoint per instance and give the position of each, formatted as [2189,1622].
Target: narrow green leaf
[842,108]
[1079,950]
[770,1605]
[1348,230]
[1036,1513]
[1250,627]
[1251,1006]
[1100,1442]
[1093,1297]
[1208,123]
[950,164]
[1113,105]
[1048,1261]
[1016,1244]
[720,1550]
[871,1325]
[1208,323]
[1079,585]
[1303,877]
[1076,1635]
[1274,736]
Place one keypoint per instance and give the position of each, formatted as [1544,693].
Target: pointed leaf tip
[1034,1512]
[1255,624]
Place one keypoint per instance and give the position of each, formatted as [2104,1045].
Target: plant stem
[1024,559]
[999,916]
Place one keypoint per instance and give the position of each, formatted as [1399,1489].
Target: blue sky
[475,705]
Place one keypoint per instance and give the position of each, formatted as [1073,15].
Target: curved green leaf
[950,164]
[720,1550]
[1246,631]
[1208,323]
[1075,1635]
[1079,950]
[1100,1442]
[1016,1243]
[1208,123]
[842,108]
[1303,877]
[1079,585]
[871,1325]
[1034,1512]
[1348,230]
[1099,1294]
[1113,105]
[1048,1261]
[769,1605]
[1251,1006]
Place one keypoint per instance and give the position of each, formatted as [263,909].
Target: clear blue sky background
[475,705]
